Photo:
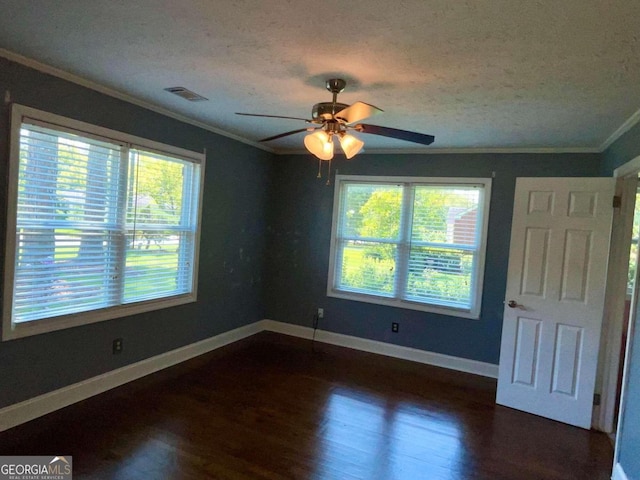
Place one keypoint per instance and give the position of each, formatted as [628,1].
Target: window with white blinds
[100,225]
[410,242]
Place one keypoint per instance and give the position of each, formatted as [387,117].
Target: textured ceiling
[476,73]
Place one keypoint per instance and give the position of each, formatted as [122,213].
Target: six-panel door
[555,296]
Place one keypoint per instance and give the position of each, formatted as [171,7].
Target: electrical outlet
[395,326]
[117,346]
[321,313]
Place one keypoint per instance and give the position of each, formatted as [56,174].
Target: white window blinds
[99,224]
[444,243]
[67,224]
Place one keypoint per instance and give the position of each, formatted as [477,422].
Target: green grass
[148,272]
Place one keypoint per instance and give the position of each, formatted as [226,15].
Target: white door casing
[615,305]
[555,285]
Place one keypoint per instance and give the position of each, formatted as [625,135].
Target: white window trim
[12,331]
[474,312]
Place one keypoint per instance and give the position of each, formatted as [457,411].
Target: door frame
[616,293]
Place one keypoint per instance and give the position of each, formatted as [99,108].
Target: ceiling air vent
[186,94]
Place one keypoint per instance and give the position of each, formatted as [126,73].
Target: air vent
[186,94]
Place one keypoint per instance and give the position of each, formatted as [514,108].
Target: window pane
[161,226]
[440,276]
[368,267]
[66,234]
[447,214]
[371,211]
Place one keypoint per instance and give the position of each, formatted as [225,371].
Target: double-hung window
[415,243]
[101,224]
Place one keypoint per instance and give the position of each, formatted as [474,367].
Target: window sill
[392,302]
[25,329]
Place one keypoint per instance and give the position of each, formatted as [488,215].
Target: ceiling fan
[333,119]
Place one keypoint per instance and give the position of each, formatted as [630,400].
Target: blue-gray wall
[299,231]
[624,149]
[231,257]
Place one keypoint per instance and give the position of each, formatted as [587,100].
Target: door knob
[512,304]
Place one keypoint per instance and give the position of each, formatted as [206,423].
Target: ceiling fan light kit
[351,145]
[320,143]
[337,119]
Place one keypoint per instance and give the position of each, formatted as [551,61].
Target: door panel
[535,259]
[575,269]
[556,280]
[526,354]
[567,358]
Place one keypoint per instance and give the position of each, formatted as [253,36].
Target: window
[415,243]
[100,224]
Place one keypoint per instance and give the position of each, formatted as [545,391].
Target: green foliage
[362,270]
[381,214]
[430,214]
[633,254]
[430,283]
[155,198]
[161,180]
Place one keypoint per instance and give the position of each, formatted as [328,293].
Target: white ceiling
[476,74]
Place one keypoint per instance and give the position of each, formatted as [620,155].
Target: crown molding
[78,80]
[446,151]
[621,130]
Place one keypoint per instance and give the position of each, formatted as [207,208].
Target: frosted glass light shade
[350,145]
[320,144]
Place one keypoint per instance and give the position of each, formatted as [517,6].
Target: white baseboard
[33,408]
[387,349]
[27,410]
[618,473]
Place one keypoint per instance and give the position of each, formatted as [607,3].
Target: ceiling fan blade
[356,112]
[284,134]
[272,116]
[414,137]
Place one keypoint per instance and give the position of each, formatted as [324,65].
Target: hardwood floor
[271,408]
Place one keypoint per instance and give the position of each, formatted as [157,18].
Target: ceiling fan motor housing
[326,110]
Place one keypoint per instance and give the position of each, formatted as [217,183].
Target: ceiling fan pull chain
[329,173]
[319,168]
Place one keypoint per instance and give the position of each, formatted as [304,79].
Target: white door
[555,296]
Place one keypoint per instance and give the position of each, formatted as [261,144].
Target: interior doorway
[622,297]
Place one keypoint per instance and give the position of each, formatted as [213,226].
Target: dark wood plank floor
[271,408]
